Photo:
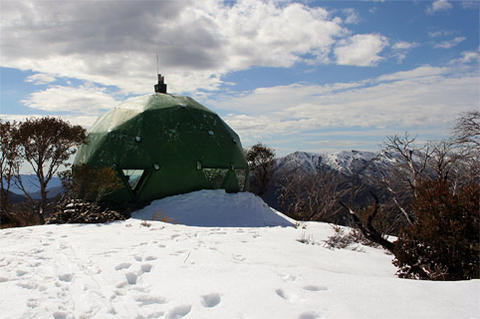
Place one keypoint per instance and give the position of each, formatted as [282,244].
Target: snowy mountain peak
[345,162]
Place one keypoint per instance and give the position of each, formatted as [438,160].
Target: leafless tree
[466,138]
[467,129]
[367,229]
[312,195]
[410,168]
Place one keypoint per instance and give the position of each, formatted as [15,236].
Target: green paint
[175,140]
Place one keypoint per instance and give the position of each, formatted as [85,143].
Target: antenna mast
[160,87]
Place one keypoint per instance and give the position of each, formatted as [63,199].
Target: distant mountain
[365,165]
[15,198]
[30,183]
[345,162]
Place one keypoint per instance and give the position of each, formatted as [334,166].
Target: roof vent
[160,87]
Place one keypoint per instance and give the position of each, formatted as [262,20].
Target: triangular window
[215,176]
[133,177]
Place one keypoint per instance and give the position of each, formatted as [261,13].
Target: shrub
[19,215]
[340,239]
[444,242]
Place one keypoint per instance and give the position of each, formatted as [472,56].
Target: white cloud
[84,120]
[41,78]
[360,50]
[403,45]
[440,33]
[197,42]
[352,16]
[422,100]
[439,5]
[84,100]
[468,57]
[401,48]
[450,43]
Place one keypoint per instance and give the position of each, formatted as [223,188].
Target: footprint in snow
[122,266]
[315,288]
[138,258]
[150,258]
[146,268]
[150,300]
[131,278]
[28,285]
[287,296]
[309,315]
[210,300]
[60,315]
[179,312]
[65,277]
[238,258]
[20,272]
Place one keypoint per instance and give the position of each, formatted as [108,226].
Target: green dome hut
[161,145]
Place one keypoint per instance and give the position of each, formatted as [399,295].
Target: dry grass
[19,217]
[159,216]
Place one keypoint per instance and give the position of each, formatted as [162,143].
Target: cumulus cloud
[360,50]
[467,57]
[403,45]
[41,78]
[351,16]
[421,100]
[196,42]
[401,48]
[450,43]
[439,5]
[83,100]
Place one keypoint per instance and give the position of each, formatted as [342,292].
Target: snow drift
[214,208]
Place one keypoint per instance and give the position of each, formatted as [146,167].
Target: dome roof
[162,145]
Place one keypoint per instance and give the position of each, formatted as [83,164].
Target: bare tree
[312,195]
[367,229]
[47,144]
[467,129]
[466,139]
[410,169]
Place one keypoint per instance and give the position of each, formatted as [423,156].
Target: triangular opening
[133,177]
[215,176]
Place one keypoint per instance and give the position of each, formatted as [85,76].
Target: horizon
[311,76]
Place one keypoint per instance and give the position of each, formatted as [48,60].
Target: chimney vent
[160,87]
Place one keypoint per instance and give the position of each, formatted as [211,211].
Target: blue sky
[296,75]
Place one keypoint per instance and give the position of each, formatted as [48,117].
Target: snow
[345,162]
[205,266]
[212,208]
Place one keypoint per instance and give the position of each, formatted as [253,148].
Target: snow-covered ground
[208,267]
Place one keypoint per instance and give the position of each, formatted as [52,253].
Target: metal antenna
[156,55]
